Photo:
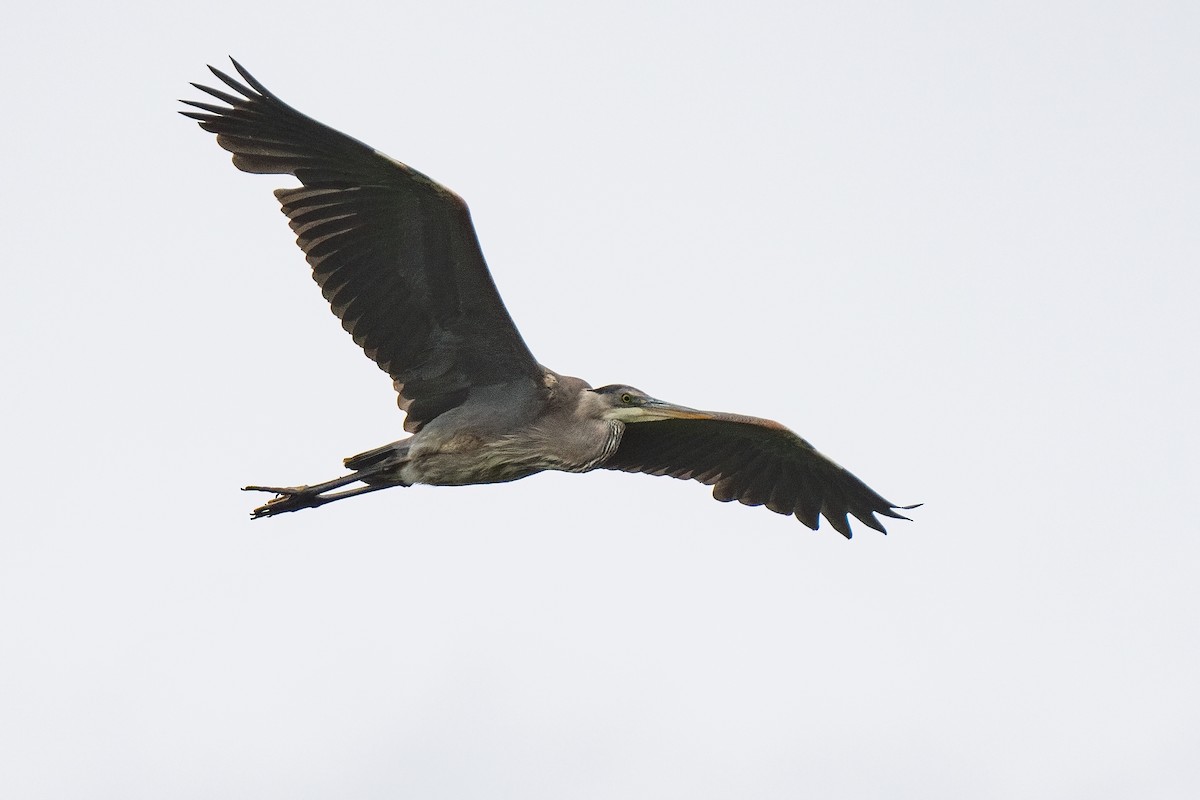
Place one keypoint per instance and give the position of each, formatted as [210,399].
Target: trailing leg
[372,471]
[295,498]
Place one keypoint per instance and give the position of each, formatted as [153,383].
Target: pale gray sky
[954,245]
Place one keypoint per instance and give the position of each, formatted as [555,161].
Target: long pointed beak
[660,408]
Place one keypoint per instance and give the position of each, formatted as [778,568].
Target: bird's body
[506,432]
[396,255]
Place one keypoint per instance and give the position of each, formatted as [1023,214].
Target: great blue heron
[396,256]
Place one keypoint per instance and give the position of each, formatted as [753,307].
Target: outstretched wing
[394,252]
[756,462]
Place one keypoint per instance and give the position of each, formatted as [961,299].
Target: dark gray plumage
[396,256]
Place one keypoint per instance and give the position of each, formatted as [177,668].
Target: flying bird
[396,255]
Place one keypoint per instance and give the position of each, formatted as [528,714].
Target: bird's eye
[626,398]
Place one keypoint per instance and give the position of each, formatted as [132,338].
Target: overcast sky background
[953,244]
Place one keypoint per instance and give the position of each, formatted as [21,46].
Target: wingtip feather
[870,521]
[250,79]
[233,83]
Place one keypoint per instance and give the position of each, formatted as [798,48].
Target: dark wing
[756,462]
[394,252]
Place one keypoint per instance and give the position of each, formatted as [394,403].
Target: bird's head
[627,404]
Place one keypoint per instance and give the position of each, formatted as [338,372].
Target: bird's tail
[379,460]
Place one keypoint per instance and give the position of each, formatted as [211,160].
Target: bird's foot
[294,498]
[288,498]
[278,489]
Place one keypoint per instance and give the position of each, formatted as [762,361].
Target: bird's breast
[463,459]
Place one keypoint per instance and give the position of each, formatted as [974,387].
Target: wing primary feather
[237,86]
[224,97]
[838,521]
